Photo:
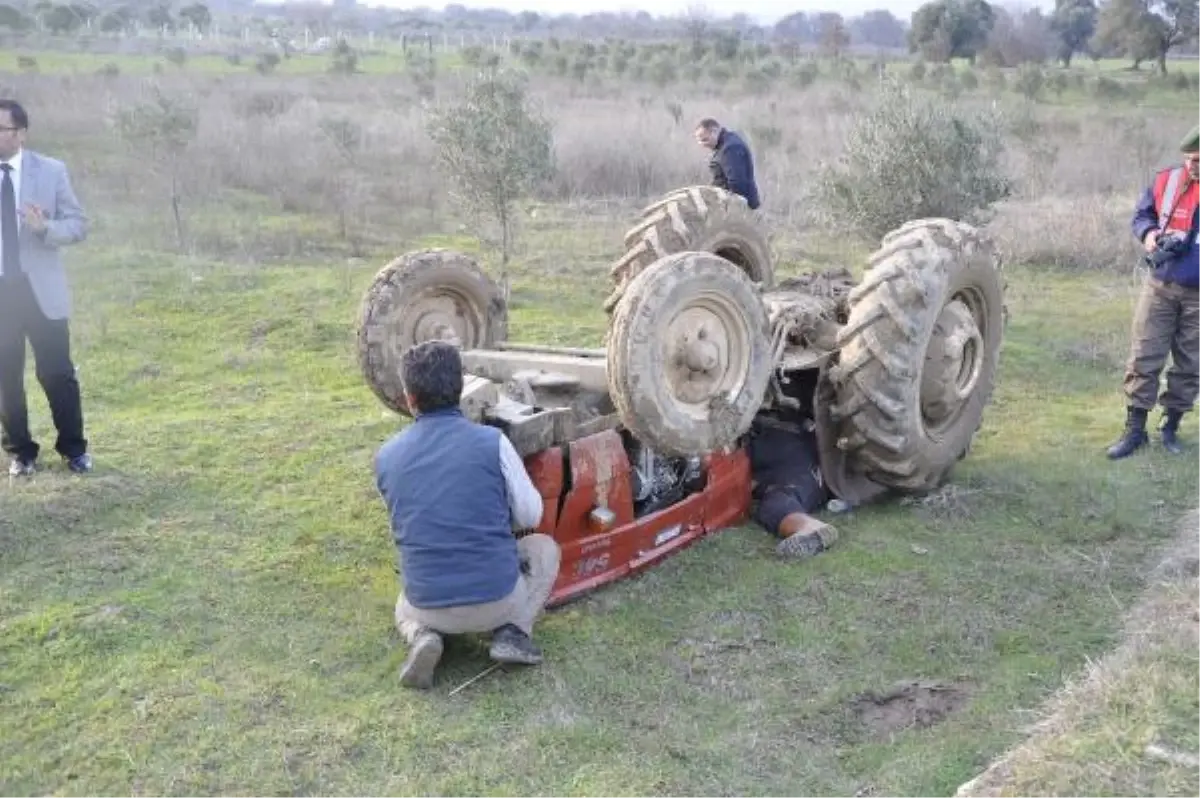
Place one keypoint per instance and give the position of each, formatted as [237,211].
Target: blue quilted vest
[441,481]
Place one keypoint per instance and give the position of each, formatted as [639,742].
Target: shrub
[912,157]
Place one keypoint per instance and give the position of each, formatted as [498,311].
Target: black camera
[1167,247]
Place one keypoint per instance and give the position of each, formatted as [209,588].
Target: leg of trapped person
[784,515]
[785,465]
[1151,332]
[1183,378]
[512,642]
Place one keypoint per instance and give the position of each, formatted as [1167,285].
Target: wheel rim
[440,314]
[953,363]
[706,351]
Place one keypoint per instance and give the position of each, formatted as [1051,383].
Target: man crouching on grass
[455,491]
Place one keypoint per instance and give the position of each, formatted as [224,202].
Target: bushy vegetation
[911,157]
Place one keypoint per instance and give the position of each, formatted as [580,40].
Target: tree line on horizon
[1141,31]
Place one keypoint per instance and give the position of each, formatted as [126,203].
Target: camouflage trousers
[1165,322]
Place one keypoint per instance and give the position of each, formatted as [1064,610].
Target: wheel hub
[707,350]
[441,316]
[952,364]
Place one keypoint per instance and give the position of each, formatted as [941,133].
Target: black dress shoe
[80,464]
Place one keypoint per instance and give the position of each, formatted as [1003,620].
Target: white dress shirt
[523,499]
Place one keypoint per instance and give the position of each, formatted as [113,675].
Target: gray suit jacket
[44,182]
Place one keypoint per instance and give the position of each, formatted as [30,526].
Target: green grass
[1126,726]
[210,612]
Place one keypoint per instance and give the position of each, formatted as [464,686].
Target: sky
[760,10]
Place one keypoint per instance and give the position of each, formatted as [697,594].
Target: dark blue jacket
[443,485]
[1184,269]
[733,168]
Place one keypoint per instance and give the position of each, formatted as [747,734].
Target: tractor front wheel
[689,355]
[434,294]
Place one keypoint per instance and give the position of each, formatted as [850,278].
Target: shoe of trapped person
[512,646]
[21,468]
[1170,432]
[81,464]
[424,654]
[1135,436]
[807,538]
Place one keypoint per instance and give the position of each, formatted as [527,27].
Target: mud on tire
[689,354]
[420,296]
[919,353]
[697,219]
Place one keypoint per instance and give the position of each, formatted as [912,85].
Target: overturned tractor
[636,446]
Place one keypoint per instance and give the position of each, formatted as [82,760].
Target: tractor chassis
[552,404]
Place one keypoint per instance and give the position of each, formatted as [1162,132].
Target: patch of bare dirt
[908,705]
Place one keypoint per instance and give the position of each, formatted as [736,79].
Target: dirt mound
[908,705]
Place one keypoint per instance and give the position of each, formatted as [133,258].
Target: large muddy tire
[918,355]
[695,219]
[689,354]
[423,296]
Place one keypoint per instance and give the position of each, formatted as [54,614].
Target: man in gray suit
[39,214]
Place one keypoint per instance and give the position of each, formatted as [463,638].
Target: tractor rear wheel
[421,296]
[689,355]
[695,219]
[918,355]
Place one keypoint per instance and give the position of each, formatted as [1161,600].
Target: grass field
[210,611]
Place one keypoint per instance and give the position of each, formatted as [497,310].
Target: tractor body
[637,448]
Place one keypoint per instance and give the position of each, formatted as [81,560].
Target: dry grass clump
[263,144]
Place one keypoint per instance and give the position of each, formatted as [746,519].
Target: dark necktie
[11,263]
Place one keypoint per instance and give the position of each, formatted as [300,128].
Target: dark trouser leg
[14,413]
[1183,378]
[50,340]
[775,505]
[1152,331]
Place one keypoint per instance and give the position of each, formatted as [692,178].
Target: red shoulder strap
[1168,191]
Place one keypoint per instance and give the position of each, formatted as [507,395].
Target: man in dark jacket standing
[1167,319]
[731,165]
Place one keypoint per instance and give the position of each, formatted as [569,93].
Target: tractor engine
[659,481]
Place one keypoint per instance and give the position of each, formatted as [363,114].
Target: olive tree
[494,147]
[910,157]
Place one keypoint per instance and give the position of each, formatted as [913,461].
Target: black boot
[1135,436]
[511,645]
[1170,429]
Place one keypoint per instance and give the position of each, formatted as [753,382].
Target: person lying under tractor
[455,491]
[788,486]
